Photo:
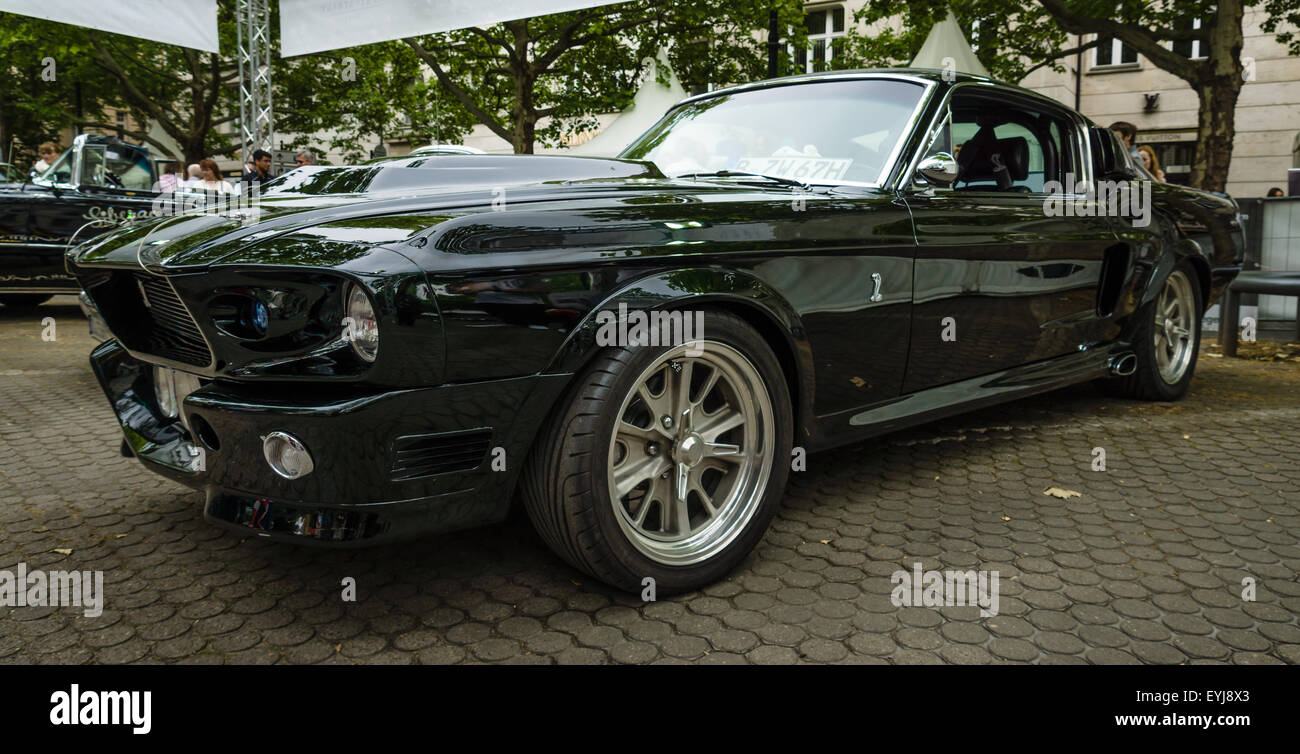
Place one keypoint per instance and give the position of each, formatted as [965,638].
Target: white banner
[316,25]
[188,23]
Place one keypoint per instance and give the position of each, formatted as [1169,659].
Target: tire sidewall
[634,564]
[1166,390]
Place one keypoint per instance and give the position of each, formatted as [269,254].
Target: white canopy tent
[315,25]
[187,23]
[305,26]
[946,48]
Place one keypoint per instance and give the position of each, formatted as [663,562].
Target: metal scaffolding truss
[253,21]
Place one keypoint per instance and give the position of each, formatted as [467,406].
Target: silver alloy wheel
[1174,325]
[691,453]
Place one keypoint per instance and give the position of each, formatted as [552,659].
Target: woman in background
[210,178]
[48,151]
[1150,162]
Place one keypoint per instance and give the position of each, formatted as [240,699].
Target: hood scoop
[438,172]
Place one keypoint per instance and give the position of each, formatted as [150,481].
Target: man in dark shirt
[261,172]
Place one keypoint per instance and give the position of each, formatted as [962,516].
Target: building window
[1110,51]
[121,119]
[825,26]
[1190,48]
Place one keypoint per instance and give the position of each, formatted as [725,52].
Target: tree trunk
[1216,127]
[1217,89]
[525,111]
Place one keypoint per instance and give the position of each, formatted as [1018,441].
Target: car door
[1003,277]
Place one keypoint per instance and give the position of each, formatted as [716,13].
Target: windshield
[61,171]
[115,166]
[822,132]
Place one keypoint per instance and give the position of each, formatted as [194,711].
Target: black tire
[566,488]
[1147,382]
[23,300]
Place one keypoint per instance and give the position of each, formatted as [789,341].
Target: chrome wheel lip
[1175,328]
[750,454]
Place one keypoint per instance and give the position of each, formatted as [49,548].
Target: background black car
[95,185]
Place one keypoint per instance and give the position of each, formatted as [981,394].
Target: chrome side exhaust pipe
[1123,364]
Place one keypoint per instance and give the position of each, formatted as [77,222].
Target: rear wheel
[665,462]
[23,300]
[1166,342]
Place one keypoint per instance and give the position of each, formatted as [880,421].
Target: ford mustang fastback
[636,349]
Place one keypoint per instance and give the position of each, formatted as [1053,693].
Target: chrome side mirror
[939,169]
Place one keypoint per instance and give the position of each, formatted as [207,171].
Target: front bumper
[388,465]
[98,327]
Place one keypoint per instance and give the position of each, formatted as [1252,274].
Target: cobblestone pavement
[1146,565]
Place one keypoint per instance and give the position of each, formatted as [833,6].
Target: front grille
[417,456]
[172,332]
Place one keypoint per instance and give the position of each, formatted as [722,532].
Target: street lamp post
[773,43]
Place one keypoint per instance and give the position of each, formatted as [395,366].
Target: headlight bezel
[360,323]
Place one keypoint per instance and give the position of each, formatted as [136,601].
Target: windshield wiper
[746,174]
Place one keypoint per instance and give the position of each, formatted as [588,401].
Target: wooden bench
[1278,283]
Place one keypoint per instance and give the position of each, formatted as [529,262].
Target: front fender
[737,291]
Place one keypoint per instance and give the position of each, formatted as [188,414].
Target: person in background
[174,178]
[196,175]
[261,172]
[1149,161]
[1275,191]
[48,152]
[211,178]
[1126,132]
[304,158]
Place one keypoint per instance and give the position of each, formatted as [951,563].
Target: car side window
[1009,148]
[940,139]
[1061,134]
[115,168]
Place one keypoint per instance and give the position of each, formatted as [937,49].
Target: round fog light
[286,455]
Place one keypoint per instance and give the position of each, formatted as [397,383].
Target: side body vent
[416,456]
[1114,270]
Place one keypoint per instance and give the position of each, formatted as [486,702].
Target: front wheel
[665,462]
[1166,341]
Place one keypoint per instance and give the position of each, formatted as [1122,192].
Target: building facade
[1113,83]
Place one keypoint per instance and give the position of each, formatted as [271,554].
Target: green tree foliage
[187,93]
[360,96]
[43,75]
[566,68]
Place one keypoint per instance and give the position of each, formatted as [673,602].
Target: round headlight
[361,328]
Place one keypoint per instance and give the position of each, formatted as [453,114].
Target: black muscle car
[637,346]
[97,184]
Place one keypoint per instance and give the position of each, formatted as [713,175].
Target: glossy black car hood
[323,196]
